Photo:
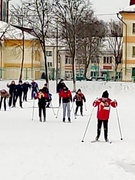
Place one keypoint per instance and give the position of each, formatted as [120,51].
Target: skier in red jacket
[66,96]
[103,112]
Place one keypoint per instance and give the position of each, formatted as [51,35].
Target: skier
[66,96]
[60,86]
[42,98]
[103,112]
[79,98]
[46,90]
[12,92]
[4,95]
[26,86]
[34,87]
[19,91]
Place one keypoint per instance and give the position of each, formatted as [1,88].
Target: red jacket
[103,110]
[66,96]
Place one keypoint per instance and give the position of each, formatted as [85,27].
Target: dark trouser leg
[20,100]
[44,113]
[5,104]
[40,109]
[76,109]
[10,100]
[14,100]
[59,100]
[81,110]
[99,125]
[105,123]
[1,102]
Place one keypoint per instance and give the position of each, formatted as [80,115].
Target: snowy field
[33,150]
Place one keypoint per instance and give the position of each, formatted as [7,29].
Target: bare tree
[92,34]
[37,14]
[115,42]
[69,14]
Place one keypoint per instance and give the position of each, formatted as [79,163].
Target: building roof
[8,31]
[129,9]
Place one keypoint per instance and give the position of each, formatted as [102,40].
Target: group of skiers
[19,91]
[65,97]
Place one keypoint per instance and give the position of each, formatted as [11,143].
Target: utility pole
[57,58]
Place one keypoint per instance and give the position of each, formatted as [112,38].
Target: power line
[106,14]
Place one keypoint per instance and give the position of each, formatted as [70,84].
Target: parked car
[79,78]
[91,79]
[100,78]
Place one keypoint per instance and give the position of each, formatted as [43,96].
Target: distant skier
[60,86]
[19,91]
[79,98]
[26,87]
[3,96]
[12,92]
[42,99]
[46,90]
[103,113]
[34,88]
[66,96]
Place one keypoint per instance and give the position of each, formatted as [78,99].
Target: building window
[68,60]
[107,60]
[48,53]
[49,64]
[133,27]
[133,49]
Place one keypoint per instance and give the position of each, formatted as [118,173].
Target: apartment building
[128,63]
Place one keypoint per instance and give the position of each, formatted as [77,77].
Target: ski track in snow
[31,150]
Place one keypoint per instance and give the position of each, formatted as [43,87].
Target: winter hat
[105,94]
[65,88]
[79,90]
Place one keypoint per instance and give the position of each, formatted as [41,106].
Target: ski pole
[73,110]
[85,106]
[33,109]
[57,111]
[87,124]
[53,109]
[119,124]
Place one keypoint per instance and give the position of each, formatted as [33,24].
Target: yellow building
[15,48]
[128,62]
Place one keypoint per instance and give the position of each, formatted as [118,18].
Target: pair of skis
[94,141]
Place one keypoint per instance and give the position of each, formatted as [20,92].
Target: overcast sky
[103,8]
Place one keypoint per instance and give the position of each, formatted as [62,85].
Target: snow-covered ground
[31,150]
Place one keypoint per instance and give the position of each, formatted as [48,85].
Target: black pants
[42,108]
[81,109]
[25,95]
[12,100]
[20,99]
[4,103]
[99,125]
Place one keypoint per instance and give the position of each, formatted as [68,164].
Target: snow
[33,150]
[129,9]
[11,32]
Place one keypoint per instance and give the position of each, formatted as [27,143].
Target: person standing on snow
[34,88]
[26,87]
[60,86]
[42,99]
[66,97]
[19,91]
[12,92]
[79,98]
[103,111]
[3,96]
[46,90]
